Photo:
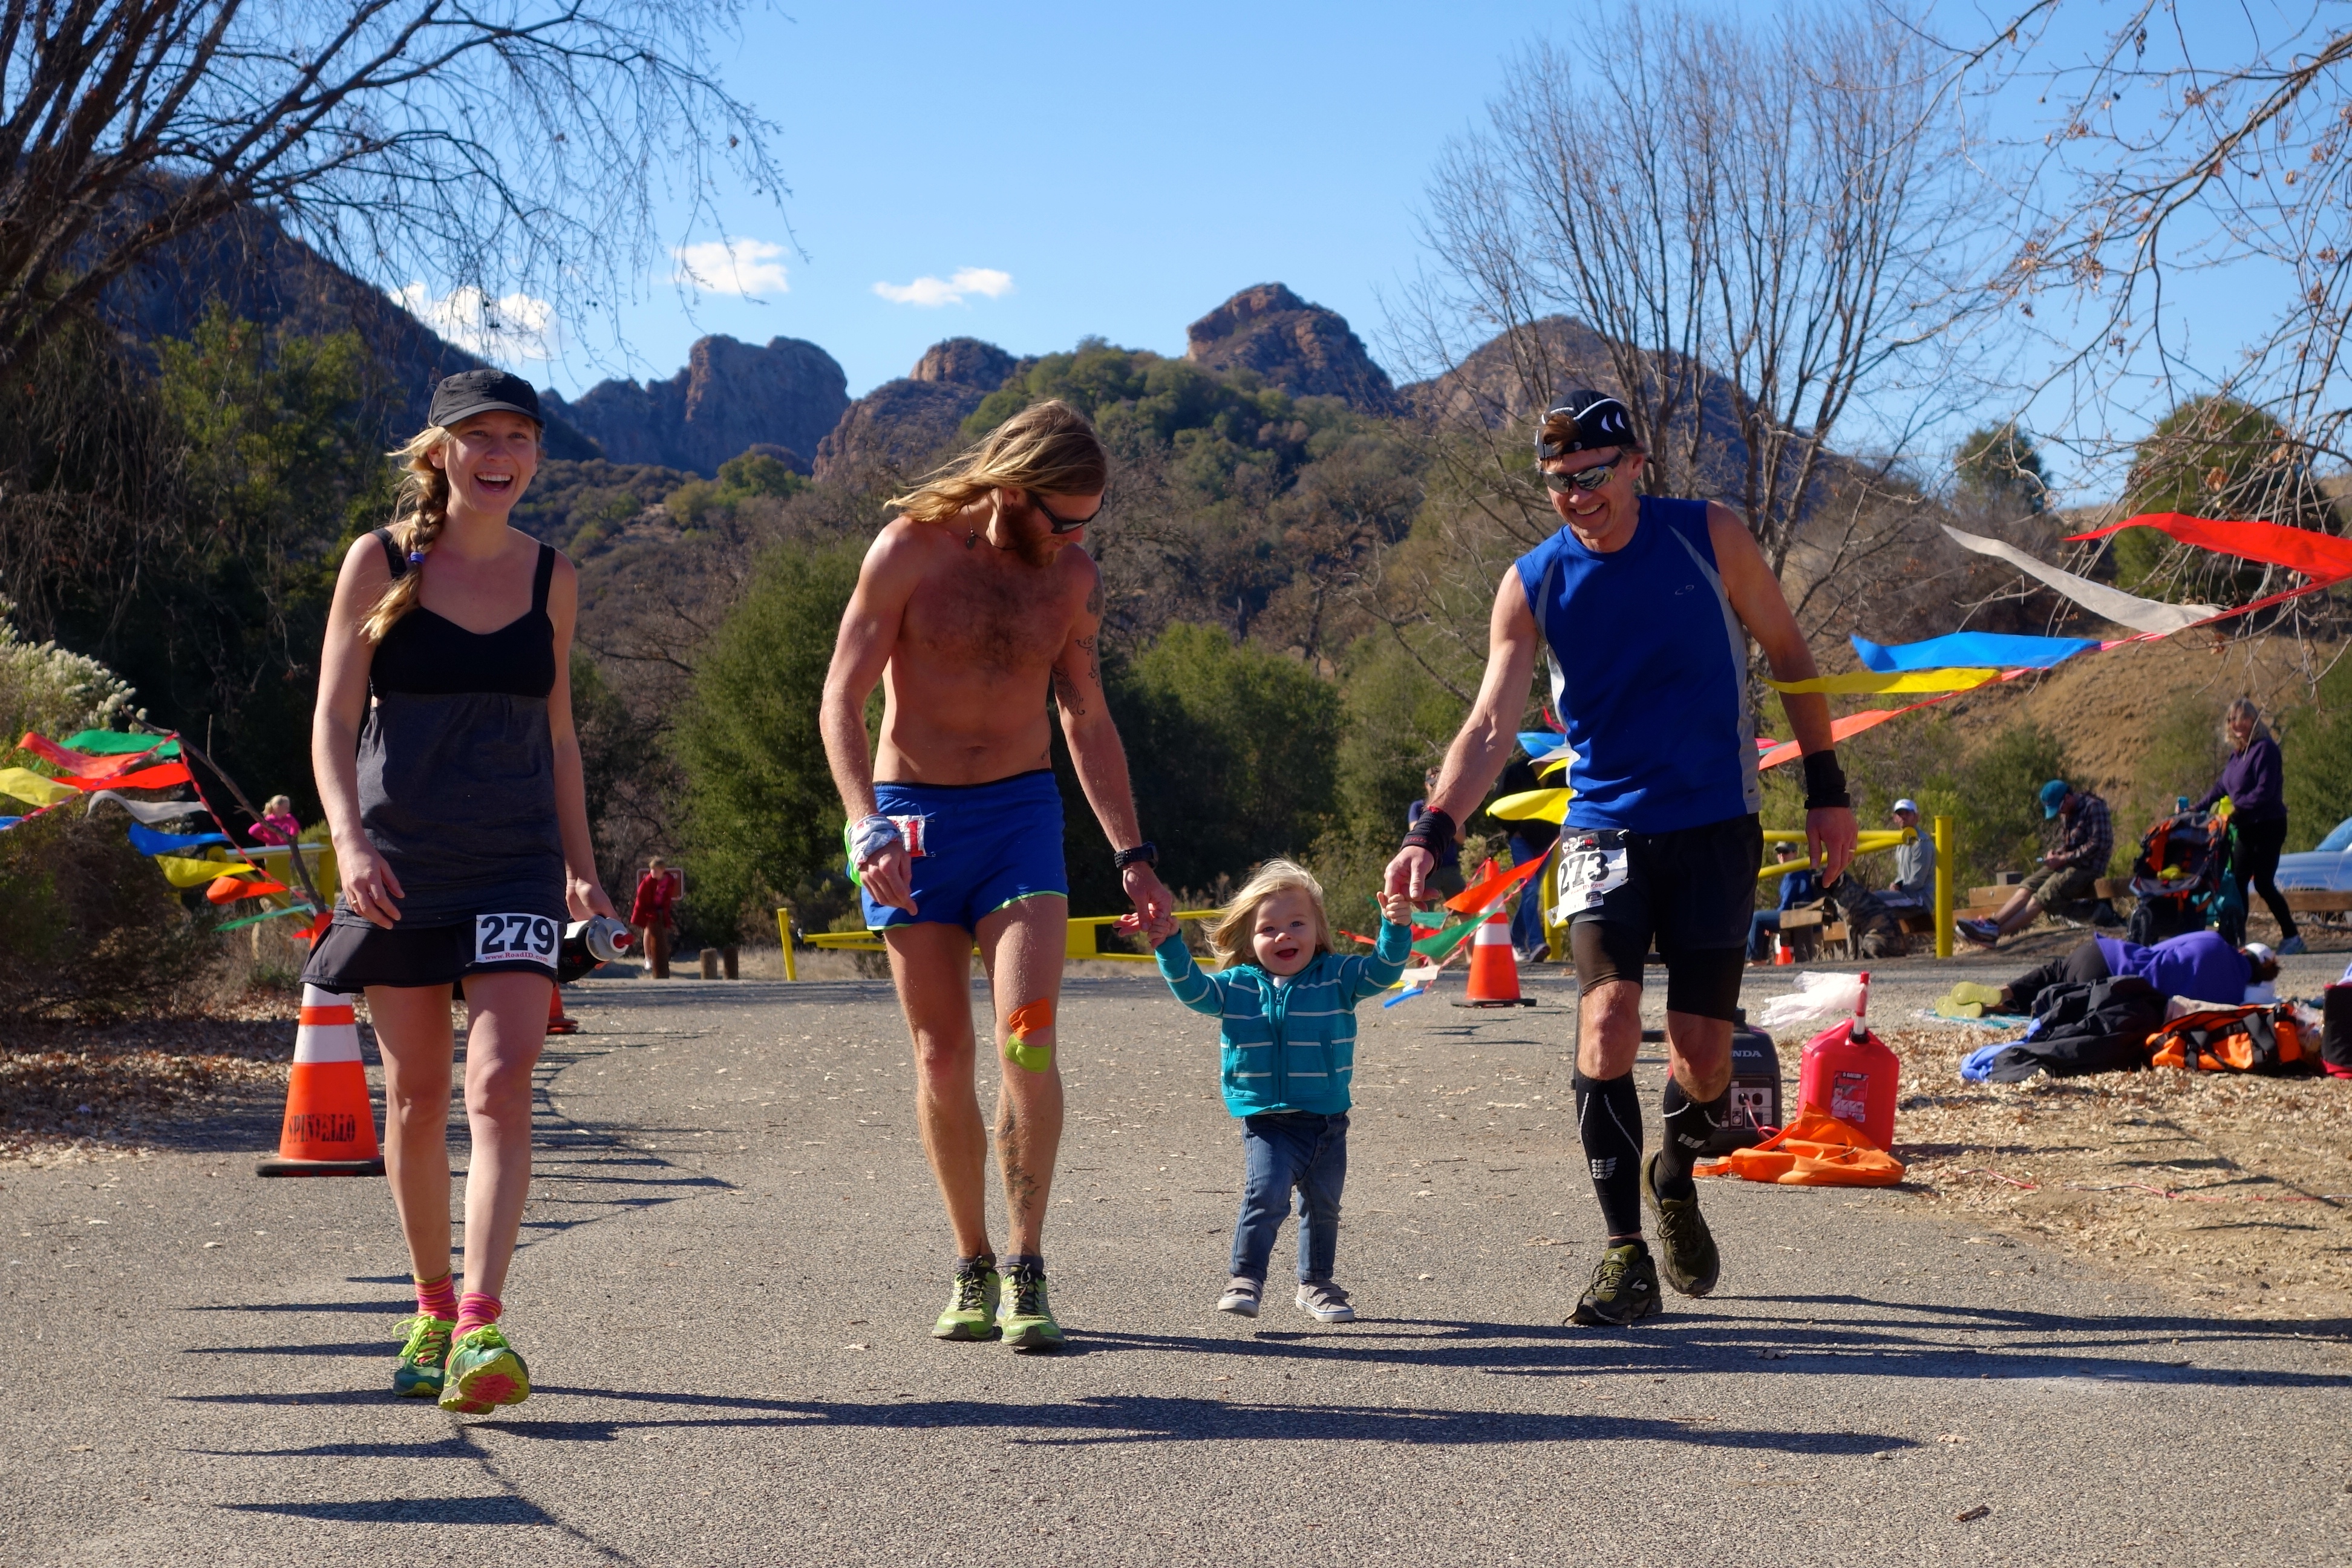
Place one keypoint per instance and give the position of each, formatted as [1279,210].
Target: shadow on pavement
[1115,1419]
[408,1510]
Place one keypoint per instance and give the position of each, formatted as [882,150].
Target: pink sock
[476,1311]
[438,1297]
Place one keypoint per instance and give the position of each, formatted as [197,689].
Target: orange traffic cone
[557,1024]
[1781,952]
[330,1128]
[1494,967]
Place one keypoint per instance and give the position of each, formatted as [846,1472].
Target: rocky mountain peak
[963,362]
[1301,348]
[732,395]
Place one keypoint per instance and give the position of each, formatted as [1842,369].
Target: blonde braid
[418,517]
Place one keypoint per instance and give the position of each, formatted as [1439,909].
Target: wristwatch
[1146,853]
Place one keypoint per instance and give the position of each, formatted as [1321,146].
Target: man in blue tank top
[1644,607]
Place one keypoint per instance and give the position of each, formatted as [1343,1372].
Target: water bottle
[589,942]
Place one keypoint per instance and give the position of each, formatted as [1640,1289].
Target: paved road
[733,1252]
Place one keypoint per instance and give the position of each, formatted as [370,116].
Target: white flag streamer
[148,811]
[2126,609]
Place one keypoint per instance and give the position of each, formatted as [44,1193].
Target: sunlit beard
[1038,552]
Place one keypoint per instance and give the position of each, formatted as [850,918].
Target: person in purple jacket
[2201,966]
[2255,783]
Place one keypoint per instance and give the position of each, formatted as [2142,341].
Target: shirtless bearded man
[972,604]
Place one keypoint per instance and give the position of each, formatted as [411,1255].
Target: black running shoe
[1692,1264]
[1624,1288]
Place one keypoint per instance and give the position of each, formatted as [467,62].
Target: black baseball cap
[484,391]
[1599,419]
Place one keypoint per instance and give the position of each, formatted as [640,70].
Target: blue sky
[1033,175]
[1127,168]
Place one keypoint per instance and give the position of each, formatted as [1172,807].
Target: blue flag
[147,841]
[1971,650]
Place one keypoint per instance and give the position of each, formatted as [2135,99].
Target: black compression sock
[1690,1127]
[1609,1119]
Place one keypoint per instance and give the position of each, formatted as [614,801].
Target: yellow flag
[30,787]
[1533,805]
[1862,681]
[183,871]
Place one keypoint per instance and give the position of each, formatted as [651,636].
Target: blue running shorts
[974,848]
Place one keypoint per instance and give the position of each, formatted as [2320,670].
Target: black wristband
[1146,853]
[1824,781]
[1433,830]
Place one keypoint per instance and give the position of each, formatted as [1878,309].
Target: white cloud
[511,328]
[747,267]
[931,292]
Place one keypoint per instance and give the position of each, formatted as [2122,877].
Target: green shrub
[87,925]
[2316,749]
[762,817]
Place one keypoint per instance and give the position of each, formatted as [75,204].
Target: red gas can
[1848,1074]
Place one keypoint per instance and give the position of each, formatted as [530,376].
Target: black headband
[1601,421]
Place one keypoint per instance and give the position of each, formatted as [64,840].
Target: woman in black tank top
[450,773]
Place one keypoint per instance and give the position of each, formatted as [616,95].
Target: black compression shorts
[1689,892]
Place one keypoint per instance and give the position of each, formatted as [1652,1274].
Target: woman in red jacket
[654,912]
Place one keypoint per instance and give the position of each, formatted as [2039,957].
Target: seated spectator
[1446,880]
[1530,840]
[276,824]
[2201,966]
[1913,887]
[2068,873]
[1796,887]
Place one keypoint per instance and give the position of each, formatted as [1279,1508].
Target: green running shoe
[485,1372]
[971,1304]
[417,1374]
[1025,1316]
[1692,1263]
[1624,1288]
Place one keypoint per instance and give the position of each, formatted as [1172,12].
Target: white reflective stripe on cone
[327,1031]
[1495,931]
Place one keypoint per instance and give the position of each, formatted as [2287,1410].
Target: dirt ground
[76,1092]
[2233,1191]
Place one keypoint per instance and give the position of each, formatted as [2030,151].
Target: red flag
[1481,897]
[2314,555]
[161,776]
[82,766]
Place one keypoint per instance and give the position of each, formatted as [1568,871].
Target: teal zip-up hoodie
[1290,1046]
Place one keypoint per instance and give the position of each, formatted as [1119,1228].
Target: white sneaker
[1325,1302]
[1239,1298]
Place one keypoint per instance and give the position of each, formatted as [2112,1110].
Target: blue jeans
[1526,921]
[1287,1150]
[1760,922]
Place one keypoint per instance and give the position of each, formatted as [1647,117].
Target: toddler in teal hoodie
[1286,1007]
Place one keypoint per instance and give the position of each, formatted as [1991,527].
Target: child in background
[1286,1007]
[276,824]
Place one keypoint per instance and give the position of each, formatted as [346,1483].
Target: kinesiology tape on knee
[1690,1129]
[1609,1120]
[1030,1018]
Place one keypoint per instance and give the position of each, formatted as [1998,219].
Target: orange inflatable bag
[1813,1150]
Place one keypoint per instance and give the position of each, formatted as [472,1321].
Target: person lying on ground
[2068,874]
[2201,966]
[1285,1011]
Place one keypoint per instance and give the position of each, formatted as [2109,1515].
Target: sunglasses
[1586,479]
[1058,523]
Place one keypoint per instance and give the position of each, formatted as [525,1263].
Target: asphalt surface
[733,1250]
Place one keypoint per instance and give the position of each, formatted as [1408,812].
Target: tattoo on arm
[1094,659]
[1094,601]
[1067,690]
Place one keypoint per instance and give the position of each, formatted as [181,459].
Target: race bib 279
[508,939]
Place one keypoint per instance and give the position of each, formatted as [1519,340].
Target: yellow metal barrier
[1944,840]
[1869,843]
[1078,939]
